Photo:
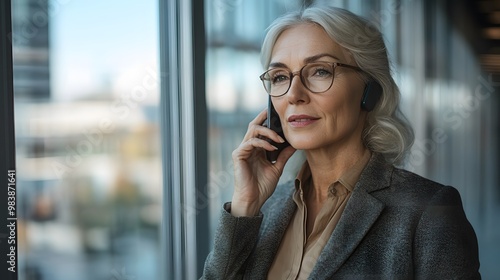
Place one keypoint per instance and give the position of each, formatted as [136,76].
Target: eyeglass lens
[316,77]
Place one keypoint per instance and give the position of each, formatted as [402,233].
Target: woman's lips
[301,120]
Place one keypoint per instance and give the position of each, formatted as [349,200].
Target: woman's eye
[279,78]
[322,73]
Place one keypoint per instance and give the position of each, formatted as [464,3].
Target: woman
[350,214]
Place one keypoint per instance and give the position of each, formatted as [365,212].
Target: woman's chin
[303,144]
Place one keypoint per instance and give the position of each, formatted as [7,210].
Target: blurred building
[30,38]
[89,167]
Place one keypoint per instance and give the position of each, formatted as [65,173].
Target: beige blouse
[298,253]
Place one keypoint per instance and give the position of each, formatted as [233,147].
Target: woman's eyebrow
[277,65]
[318,56]
[306,60]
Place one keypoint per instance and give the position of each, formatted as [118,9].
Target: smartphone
[274,123]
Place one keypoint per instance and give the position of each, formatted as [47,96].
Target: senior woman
[349,214]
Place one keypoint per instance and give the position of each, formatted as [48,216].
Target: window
[86,89]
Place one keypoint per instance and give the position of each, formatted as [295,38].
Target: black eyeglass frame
[334,65]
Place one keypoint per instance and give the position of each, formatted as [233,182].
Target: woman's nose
[297,93]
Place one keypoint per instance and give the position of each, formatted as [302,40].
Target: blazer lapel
[361,212]
[278,214]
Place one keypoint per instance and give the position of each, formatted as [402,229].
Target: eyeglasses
[316,77]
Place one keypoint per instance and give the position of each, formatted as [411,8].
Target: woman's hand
[256,177]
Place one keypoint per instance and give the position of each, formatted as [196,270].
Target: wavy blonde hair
[386,130]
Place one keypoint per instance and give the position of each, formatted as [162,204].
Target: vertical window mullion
[184,126]
[200,118]
[170,136]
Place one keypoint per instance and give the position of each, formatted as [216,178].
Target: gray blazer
[396,225]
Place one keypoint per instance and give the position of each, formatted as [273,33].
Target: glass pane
[87,136]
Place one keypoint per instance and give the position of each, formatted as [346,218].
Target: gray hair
[386,130]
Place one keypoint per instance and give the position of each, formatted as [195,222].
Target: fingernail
[281,139]
[276,148]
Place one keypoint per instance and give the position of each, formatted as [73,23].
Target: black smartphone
[274,123]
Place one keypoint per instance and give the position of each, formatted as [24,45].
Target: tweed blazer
[396,225]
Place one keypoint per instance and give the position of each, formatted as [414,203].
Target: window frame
[184,241]
[7,141]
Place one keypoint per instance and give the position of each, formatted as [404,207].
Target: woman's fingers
[246,148]
[259,119]
[262,131]
[254,125]
[256,129]
[283,157]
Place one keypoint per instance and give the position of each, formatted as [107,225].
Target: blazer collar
[376,175]
[361,212]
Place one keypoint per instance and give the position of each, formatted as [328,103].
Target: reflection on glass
[87,136]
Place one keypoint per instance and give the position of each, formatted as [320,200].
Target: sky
[101,46]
